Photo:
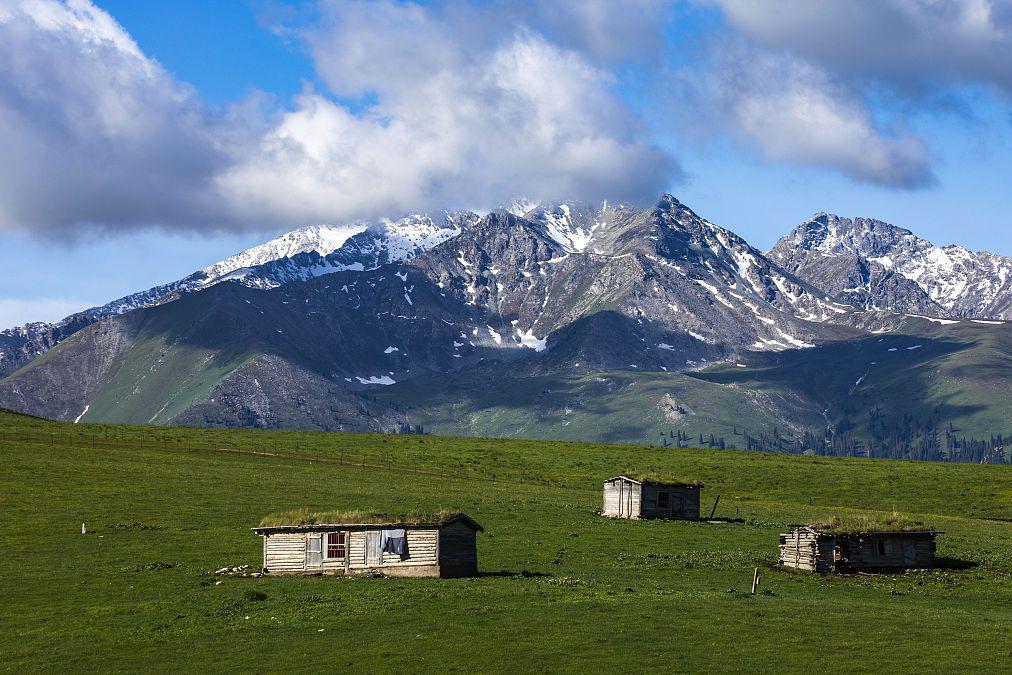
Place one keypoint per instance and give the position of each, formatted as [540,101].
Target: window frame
[667,499]
[342,544]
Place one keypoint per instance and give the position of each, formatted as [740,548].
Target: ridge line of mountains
[594,321]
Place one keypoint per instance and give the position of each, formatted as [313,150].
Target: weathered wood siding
[356,548]
[622,499]
[809,550]
[458,551]
[683,502]
[422,545]
[449,549]
[285,552]
[806,550]
[906,551]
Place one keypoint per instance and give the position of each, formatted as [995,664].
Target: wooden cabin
[644,496]
[436,546]
[817,550]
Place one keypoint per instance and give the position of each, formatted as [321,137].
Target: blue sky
[212,126]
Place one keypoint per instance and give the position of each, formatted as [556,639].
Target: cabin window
[663,500]
[337,545]
[883,547]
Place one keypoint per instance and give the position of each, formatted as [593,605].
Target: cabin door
[314,550]
[373,552]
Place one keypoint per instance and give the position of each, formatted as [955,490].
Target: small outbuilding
[862,546]
[439,545]
[651,496]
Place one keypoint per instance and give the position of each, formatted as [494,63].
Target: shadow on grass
[508,574]
[947,563]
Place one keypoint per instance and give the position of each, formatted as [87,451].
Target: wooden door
[373,552]
[314,550]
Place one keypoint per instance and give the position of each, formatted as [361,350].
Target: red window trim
[337,545]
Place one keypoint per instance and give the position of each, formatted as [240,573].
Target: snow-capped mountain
[877,265]
[591,287]
[322,239]
[294,256]
[614,313]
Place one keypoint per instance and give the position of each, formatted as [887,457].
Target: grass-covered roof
[663,478]
[309,517]
[869,525]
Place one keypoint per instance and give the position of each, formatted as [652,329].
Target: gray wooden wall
[622,499]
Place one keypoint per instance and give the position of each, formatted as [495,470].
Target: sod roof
[661,479]
[309,518]
[869,525]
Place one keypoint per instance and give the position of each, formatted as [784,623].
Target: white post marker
[84,530]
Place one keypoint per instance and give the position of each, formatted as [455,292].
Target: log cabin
[441,545]
[818,549]
[651,496]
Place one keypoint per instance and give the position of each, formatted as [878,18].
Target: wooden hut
[649,496]
[442,545]
[857,549]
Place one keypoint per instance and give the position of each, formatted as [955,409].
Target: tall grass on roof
[356,517]
[870,524]
[664,478]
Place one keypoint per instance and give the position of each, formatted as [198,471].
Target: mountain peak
[958,281]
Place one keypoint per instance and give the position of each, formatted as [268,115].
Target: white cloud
[794,112]
[456,120]
[606,30]
[908,43]
[459,113]
[92,131]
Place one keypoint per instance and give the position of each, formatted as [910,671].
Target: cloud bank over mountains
[99,134]
[462,104]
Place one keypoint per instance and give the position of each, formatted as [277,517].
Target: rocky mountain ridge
[555,320]
[873,264]
[294,256]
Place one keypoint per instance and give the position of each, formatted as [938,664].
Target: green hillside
[608,407]
[952,377]
[563,589]
[890,390]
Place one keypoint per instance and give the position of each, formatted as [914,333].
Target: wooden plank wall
[611,502]
[906,551]
[802,550]
[422,544]
[615,492]
[285,552]
[683,502]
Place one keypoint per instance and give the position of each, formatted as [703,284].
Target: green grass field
[563,589]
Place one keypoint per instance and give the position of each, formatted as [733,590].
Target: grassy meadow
[562,589]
